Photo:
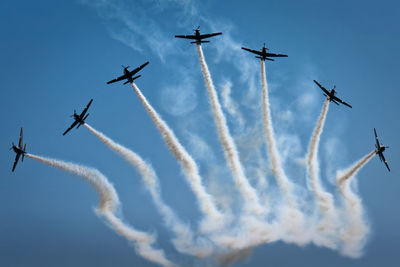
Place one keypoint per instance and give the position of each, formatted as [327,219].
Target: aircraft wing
[70,127]
[384,160]
[186,36]
[376,139]
[20,144]
[252,51]
[322,88]
[341,101]
[120,78]
[203,36]
[16,161]
[275,55]
[138,69]
[86,109]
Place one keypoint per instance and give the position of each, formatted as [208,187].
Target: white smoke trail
[354,236]
[184,240]
[329,224]
[214,218]
[292,218]
[109,203]
[252,202]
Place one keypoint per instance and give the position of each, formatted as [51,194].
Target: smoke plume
[184,237]
[354,235]
[108,205]
[329,223]
[292,218]
[214,218]
[252,202]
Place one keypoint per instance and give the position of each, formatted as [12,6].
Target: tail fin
[23,154]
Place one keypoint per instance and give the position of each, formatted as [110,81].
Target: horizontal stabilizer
[126,82]
[199,42]
[23,154]
[85,117]
[134,78]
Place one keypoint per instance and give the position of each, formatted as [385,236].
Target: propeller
[198,27]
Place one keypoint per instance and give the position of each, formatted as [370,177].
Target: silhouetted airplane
[331,95]
[198,37]
[129,74]
[263,54]
[379,150]
[18,150]
[79,119]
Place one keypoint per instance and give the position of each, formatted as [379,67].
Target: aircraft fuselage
[380,150]
[18,150]
[76,117]
[331,94]
[264,50]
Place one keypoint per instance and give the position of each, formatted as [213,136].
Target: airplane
[198,37]
[331,95]
[79,119]
[379,150]
[263,54]
[129,74]
[18,150]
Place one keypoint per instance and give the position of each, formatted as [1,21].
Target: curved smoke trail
[325,201]
[109,203]
[252,202]
[184,240]
[214,219]
[355,234]
[293,219]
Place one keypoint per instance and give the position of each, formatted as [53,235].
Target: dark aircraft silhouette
[79,119]
[18,150]
[263,54]
[129,74]
[198,37]
[379,150]
[331,95]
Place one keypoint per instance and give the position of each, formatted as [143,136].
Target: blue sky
[56,55]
